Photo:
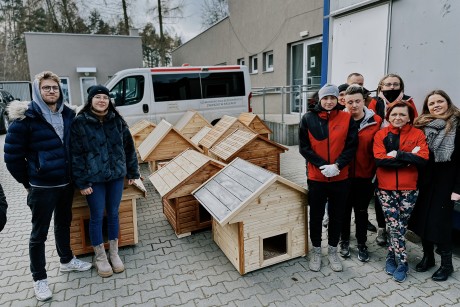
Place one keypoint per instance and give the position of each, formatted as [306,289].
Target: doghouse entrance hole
[275,246]
[204,214]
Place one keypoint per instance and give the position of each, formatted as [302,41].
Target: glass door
[306,73]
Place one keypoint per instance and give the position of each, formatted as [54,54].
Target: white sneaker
[42,291]
[75,265]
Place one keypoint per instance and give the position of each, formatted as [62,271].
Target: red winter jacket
[327,138]
[399,173]
[363,164]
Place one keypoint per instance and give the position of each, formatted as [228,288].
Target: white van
[168,92]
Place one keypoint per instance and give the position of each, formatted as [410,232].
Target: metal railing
[297,93]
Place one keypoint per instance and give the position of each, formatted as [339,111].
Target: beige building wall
[62,53]
[253,28]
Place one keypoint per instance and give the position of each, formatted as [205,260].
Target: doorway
[306,73]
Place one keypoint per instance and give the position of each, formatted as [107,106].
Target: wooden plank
[154,138]
[251,170]
[241,249]
[237,186]
[211,203]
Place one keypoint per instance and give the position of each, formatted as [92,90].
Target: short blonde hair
[47,75]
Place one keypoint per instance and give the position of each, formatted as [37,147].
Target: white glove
[330,170]
[392,153]
[416,149]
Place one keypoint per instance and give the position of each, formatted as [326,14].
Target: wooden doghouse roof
[200,135]
[254,122]
[193,120]
[234,187]
[235,142]
[140,125]
[157,135]
[179,169]
[226,125]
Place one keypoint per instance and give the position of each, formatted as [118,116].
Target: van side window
[224,84]
[128,91]
[176,87]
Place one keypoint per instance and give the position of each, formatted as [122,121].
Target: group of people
[51,150]
[357,146]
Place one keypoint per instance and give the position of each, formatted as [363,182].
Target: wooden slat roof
[179,169]
[200,135]
[217,131]
[234,187]
[236,141]
[156,136]
[140,125]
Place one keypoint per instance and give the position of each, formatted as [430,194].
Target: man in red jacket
[327,140]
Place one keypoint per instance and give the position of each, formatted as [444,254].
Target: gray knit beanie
[328,90]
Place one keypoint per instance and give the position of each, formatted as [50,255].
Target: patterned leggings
[397,207]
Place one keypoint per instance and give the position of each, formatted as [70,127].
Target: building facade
[82,60]
[280,42]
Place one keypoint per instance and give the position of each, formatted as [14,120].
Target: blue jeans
[43,202]
[106,195]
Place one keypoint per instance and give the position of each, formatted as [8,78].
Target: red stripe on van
[175,69]
[166,69]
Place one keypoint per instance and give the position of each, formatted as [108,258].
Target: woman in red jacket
[327,140]
[362,171]
[398,149]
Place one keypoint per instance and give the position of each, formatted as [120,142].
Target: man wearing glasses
[37,156]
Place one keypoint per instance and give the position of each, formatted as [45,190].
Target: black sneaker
[371,227]
[363,254]
[345,249]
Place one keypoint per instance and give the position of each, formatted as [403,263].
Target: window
[268,61]
[170,87]
[253,62]
[85,84]
[128,91]
[65,89]
[240,61]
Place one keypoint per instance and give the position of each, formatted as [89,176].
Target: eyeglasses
[48,88]
[102,97]
[395,84]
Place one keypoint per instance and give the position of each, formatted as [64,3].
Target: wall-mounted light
[304,33]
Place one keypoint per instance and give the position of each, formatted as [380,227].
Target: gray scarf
[440,142]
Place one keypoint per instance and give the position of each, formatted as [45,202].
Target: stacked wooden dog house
[190,123]
[225,126]
[259,218]
[255,123]
[251,147]
[79,231]
[175,181]
[140,131]
[163,144]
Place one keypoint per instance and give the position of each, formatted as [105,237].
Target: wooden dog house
[140,131]
[175,181]
[251,147]
[79,231]
[255,123]
[163,144]
[225,126]
[190,123]
[259,218]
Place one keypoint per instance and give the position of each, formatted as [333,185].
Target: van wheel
[214,122]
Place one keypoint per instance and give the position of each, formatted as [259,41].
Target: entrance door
[306,72]
[85,84]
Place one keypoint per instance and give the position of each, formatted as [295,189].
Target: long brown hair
[426,117]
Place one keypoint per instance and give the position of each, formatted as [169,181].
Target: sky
[141,12]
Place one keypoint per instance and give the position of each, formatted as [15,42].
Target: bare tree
[212,11]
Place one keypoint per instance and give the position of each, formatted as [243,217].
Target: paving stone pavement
[162,270]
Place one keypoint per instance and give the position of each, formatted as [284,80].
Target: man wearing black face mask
[389,90]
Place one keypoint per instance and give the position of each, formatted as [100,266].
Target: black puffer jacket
[101,151]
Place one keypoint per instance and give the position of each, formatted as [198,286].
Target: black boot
[426,262]
[446,267]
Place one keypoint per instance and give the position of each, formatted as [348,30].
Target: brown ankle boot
[117,264]
[100,261]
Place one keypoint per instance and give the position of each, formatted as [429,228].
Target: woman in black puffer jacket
[103,154]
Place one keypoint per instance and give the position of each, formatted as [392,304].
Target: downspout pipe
[325,44]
